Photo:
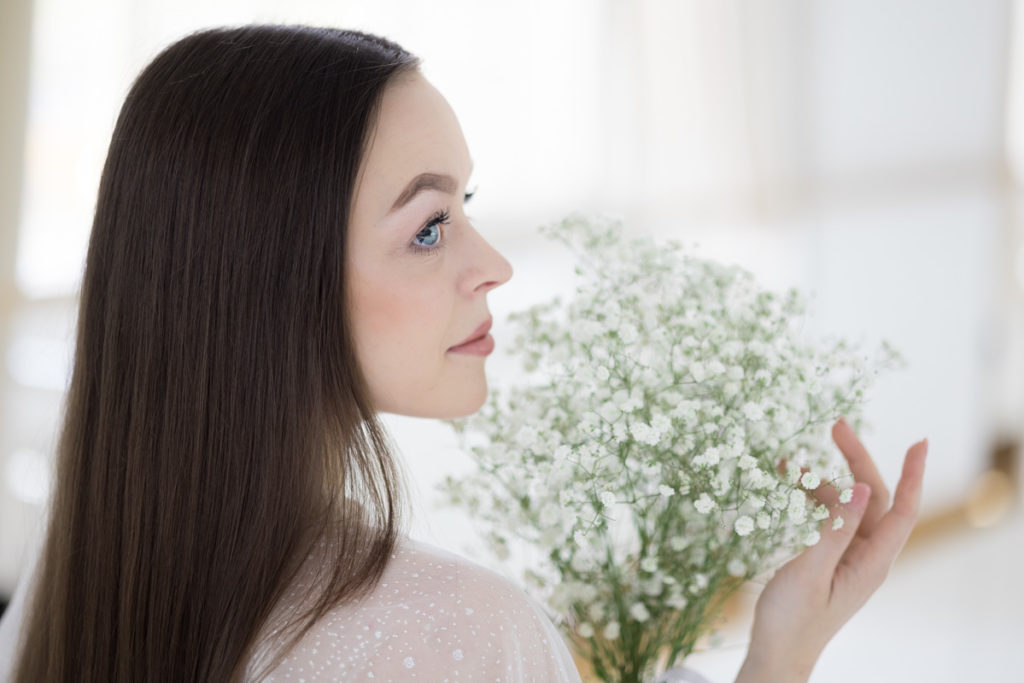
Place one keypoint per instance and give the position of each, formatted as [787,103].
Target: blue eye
[433,225]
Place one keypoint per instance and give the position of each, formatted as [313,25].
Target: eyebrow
[422,182]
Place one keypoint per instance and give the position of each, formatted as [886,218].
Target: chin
[465,405]
[465,409]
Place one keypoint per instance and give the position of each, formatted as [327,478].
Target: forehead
[416,131]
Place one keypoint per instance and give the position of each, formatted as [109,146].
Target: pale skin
[815,593]
[410,307]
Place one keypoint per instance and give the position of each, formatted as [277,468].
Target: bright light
[27,475]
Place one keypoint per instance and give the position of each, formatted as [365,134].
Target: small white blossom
[678,543]
[704,504]
[586,630]
[736,567]
[715,367]
[649,564]
[744,525]
[628,333]
[709,458]
[665,491]
[812,538]
[639,612]
[810,480]
[609,411]
[697,371]
[753,411]
[526,436]
[611,630]
[607,498]
[778,500]
[550,514]
[846,495]
[677,601]
[747,462]
[837,523]
[764,520]
[797,507]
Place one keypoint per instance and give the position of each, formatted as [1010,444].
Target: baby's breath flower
[677,601]
[753,411]
[678,543]
[639,612]
[697,371]
[709,457]
[744,525]
[810,480]
[611,630]
[704,504]
[666,390]
[736,567]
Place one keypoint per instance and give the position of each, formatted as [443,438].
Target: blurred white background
[867,151]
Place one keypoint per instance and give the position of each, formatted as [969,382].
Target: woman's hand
[814,594]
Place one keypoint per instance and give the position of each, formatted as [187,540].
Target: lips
[477,333]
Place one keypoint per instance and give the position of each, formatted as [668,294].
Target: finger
[827,495]
[821,559]
[894,528]
[863,469]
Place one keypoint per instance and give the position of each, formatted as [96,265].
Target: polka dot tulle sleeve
[434,616]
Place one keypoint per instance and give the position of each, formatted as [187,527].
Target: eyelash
[439,218]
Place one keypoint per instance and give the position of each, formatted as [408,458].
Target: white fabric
[434,616]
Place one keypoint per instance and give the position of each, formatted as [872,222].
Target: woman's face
[411,304]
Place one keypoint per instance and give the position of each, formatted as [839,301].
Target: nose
[490,268]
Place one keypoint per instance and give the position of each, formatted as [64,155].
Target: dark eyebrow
[424,181]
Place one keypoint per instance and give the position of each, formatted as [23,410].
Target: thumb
[834,542]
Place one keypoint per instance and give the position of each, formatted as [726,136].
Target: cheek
[399,316]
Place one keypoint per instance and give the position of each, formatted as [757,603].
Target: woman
[280,252]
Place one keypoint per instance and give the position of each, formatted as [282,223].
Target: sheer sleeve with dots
[434,616]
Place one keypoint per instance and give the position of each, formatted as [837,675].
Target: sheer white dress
[434,616]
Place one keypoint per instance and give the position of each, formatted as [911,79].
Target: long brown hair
[217,421]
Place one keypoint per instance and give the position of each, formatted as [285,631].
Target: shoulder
[437,616]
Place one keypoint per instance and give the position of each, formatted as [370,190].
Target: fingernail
[861,494]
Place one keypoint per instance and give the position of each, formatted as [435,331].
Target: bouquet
[660,445]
